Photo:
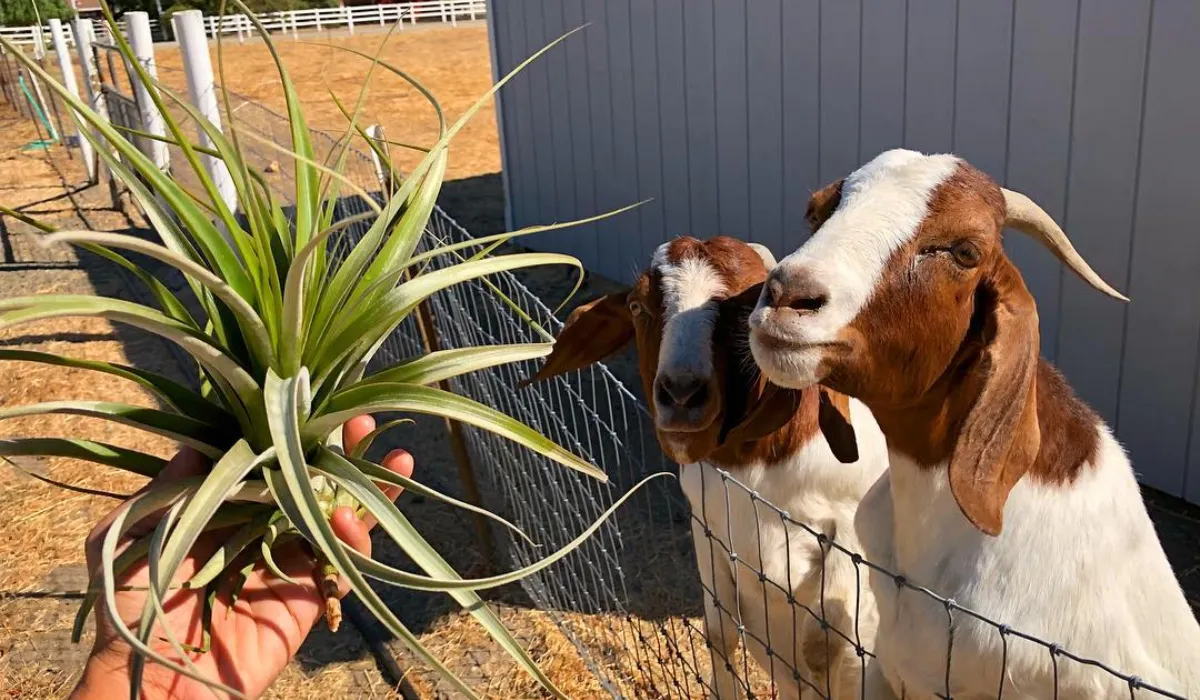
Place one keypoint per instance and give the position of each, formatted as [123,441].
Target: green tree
[21,13]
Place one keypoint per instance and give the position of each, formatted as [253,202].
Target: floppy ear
[822,204]
[772,408]
[1000,438]
[767,407]
[593,332]
[833,417]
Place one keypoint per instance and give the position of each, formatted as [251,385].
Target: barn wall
[728,114]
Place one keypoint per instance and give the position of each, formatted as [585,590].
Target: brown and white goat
[1004,492]
[713,410]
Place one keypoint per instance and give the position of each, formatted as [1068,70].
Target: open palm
[252,636]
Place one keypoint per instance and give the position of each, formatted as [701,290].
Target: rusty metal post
[432,343]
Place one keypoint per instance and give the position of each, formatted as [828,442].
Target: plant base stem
[328,578]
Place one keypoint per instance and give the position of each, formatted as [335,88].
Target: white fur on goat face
[690,290]
[881,209]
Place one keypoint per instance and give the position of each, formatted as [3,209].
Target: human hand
[253,638]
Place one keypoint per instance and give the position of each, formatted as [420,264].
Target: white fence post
[197,67]
[375,133]
[66,65]
[39,42]
[87,69]
[143,50]
[350,19]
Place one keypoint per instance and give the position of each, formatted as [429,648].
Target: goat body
[1078,565]
[1005,495]
[804,581]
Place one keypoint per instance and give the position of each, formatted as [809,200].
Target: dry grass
[453,63]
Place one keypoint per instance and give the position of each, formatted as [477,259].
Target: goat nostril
[796,290]
[662,395]
[698,398]
[775,292]
[810,304]
[682,393]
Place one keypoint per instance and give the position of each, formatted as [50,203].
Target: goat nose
[681,392]
[797,289]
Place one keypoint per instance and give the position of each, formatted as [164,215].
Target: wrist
[101,680]
[106,677]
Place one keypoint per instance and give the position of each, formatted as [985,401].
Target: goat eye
[966,254]
[635,308]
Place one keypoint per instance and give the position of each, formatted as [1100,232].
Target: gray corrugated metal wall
[728,113]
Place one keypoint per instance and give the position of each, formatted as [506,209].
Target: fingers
[399,462]
[354,430]
[186,463]
[351,530]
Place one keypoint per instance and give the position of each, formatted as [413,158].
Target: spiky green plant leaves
[286,332]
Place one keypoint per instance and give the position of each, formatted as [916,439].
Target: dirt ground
[453,63]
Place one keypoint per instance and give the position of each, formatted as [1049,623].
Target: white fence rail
[29,35]
[321,19]
[293,21]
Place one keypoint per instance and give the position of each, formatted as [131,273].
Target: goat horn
[765,253]
[1027,217]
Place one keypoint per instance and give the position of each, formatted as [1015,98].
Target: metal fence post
[197,67]
[152,121]
[58,37]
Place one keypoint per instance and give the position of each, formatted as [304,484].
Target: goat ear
[833,417]
[769,411]
[1000,438]
[593,332]
[822,204]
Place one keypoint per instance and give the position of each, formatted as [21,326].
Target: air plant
[282,350]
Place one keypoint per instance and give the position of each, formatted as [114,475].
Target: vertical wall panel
[517,101]
[596,38]
[732,139]
[647,138]
[841,29]
[929,99]
[881,123]
[617,91]
[541,126]
[561,123]
[1113,36]
[582,173]
[1157,386]
[980,129]
[699,45]
[1039,136]
[673,119]
[764,100]
[729,114]
[801,115]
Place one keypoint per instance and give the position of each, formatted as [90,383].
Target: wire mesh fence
[631,599]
